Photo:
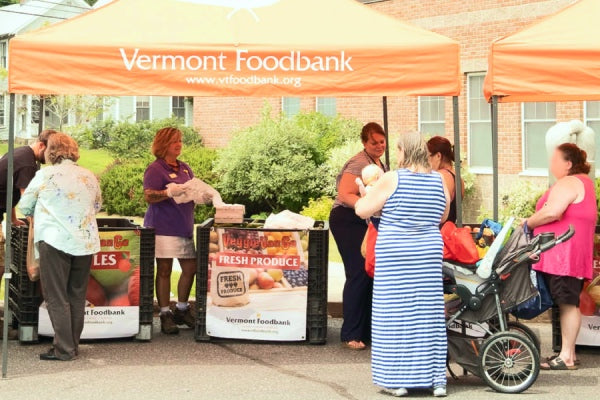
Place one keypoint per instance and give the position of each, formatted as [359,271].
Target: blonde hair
[164,137]
[61,147]
[415,151]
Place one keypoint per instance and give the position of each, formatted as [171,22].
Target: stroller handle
[532,253]
[567,235]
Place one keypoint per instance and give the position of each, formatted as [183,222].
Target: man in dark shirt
[27,160]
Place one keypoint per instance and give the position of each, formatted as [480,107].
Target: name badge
[172,176]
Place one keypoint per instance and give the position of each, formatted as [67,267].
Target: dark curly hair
[577,156]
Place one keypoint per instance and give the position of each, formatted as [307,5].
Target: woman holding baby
[349,231]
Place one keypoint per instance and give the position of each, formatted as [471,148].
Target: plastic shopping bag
[459,244]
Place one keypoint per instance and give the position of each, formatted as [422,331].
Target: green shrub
[122,184]
[129,139]
[272,166]
[520,200]
[93,136]
[318,209]
[331,132]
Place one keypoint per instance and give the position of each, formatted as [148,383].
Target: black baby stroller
[480,339]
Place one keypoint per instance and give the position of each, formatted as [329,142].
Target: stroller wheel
[526,331]
[509,362]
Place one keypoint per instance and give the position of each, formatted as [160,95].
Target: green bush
[332,132]
[318,209]
[520,200]
[122,184]
[272,166]
[93,136]
[129,139]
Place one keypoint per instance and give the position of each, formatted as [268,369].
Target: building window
[327,106]
[178,107]
[479,124]
[592,119]
[4,54]
[290,106]
[537,119]
[35,111]
[2,110]
[432,116]
[142,108]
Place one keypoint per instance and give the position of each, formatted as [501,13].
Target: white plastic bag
[289,220]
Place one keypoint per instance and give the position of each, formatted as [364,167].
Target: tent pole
[387,135]
[42,114]
[494,112]
[457,161]
[8,256]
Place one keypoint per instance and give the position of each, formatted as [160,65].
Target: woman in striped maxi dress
[408,325]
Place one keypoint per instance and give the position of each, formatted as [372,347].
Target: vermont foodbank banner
[589,333]
[113,294]
[258,283]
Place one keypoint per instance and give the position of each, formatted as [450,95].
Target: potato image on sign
[229,287]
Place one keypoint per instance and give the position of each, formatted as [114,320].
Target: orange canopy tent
[555,59]
[233,48]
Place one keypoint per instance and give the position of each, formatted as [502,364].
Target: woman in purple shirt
[174,226]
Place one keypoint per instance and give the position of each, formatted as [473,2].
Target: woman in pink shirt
[570,201]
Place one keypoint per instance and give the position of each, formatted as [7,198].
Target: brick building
[475,24]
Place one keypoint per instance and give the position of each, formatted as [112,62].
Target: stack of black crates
[25,296]
[318,259]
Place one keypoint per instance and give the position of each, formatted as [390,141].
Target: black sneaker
[184,317]
[167,324]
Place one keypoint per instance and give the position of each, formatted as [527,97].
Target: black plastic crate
[25,296]
[318,262]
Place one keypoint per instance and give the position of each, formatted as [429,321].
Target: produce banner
[589,334]
[113,294]
[258,283]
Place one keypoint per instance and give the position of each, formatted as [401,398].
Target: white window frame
[524,170]
[5,42]
[475,170]
[135,107]
[3,101]
[420,120]
[585,122]
[184,107]
[283,106]
[329,97]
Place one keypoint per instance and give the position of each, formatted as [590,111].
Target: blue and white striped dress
[409,332]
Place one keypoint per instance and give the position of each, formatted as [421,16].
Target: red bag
[370,239]
[459,244]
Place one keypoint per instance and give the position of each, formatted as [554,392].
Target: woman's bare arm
[563,193]
[375,199]
[348,190]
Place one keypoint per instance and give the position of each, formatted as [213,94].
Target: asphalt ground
[178,367]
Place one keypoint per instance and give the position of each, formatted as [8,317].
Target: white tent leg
[457,166]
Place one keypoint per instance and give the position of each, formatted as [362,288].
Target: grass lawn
[94,160]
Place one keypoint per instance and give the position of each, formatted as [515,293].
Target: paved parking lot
[177,367]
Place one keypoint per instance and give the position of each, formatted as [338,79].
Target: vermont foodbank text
[295,61]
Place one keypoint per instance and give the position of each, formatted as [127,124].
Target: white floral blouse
[64,199]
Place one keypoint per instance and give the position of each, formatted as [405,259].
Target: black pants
[64,281]
[349,231]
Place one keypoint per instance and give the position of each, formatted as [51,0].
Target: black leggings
[349,231]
